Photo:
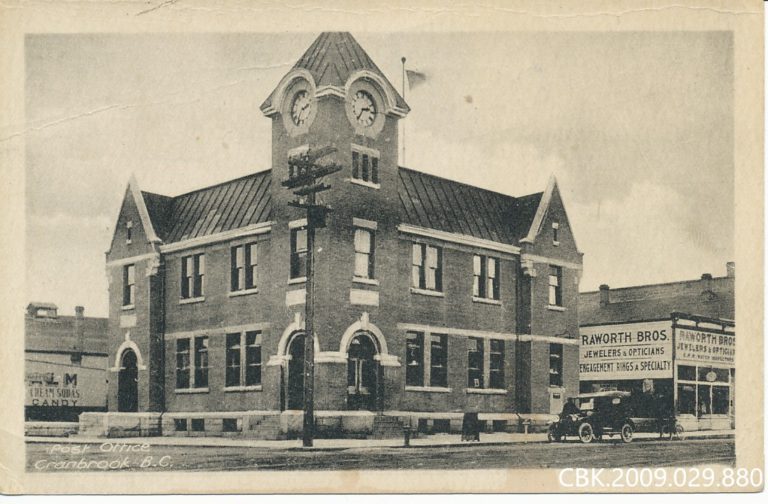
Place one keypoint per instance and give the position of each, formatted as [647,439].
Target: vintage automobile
[599,414]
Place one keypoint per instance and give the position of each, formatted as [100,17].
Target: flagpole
[403,139]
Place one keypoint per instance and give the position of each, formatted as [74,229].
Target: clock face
[301,108]
[364,108]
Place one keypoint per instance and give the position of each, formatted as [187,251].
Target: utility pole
[305,179]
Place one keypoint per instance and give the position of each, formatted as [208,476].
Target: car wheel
[626,432]
[585,433]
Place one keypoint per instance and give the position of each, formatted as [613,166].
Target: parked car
[599,414]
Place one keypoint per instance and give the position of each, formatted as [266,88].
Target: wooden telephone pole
[305,179]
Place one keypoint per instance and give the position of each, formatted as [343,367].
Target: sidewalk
[433,441]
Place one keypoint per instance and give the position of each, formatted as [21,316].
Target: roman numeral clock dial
[301,108]
[364,108]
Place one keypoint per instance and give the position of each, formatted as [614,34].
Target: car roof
[604,393]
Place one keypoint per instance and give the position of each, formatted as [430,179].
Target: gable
[140,241]
[550,214]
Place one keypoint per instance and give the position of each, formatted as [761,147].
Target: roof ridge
[467,185]
[673,282]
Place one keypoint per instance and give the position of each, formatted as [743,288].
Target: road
[48,456]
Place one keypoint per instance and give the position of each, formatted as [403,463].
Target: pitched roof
[332,58]
[436,203]
[706,297]
[222,207]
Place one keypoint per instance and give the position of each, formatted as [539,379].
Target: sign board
[641,350]
[58,384]
[705,347]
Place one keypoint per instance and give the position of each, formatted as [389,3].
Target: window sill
[443,390]
[244,292]
[490,301]
[556,243]
[244,388]
[128,307]
[200,390]
[486,391]
[192,300]
[364,183]
[427,292]
[367,281]
[300,280]
[555,308]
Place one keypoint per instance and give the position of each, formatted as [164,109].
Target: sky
[636,126]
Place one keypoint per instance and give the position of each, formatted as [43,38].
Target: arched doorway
[128,383]
[295,379]
[362,373]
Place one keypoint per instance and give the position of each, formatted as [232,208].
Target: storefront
[683,363]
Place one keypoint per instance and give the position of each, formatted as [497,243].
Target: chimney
[79,346]
[605,295]
[730,269]
[706,276]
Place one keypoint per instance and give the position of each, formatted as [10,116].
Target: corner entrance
[128,383]
[295,379]
[362,373]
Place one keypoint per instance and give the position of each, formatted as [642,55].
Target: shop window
[414,359]
[720,400]
[475,363]
[243,368]
[708,374]
[129,285]
[192,275]
[555,365]
[364,253]
[686,373]
[201,362]
[686,399]
[438,360]
[182,363]
[486,277]
[198,424]
[299,252]
[427,269]
[555,286]
[243,267]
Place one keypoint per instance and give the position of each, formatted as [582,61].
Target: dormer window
[128,232]
[555,233]
[365,166]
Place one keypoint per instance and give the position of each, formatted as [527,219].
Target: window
[414,359]
[201,361]
[486,277]
[555,233]
[180,424]
[426,271]
[192,369]
[496,372]
[198,424]
[555,365]
[243,270]
[299,252]
[364,258]
[243,367]
[128,232]
[129,284]
[555,286]
[231,425]
[485,369]
[182,363]
[365,167]
[475,363]
[438,360]
[192,274]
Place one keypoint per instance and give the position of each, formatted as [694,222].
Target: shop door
[295,385]
[361,374]
[128,383]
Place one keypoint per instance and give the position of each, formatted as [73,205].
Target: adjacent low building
[673,345]
[65,361]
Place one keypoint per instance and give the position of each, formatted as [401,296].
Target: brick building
[65,363]
[672,345]
[432,297]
